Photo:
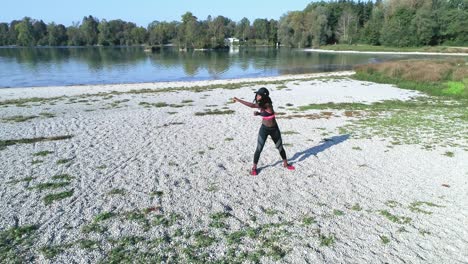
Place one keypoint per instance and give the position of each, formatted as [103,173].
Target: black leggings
[275,134]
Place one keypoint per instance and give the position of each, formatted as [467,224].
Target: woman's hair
[264,101]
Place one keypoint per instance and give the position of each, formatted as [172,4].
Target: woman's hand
[256,113]
[235,99]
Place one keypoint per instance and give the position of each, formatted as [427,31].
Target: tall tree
[40,32]
[104,36]
[74,35]
[371,31]
[89,29]
[217,31]
[3,34]
[347,30]
[396,30]
[243,29]
[188,30]
[319,30]
[273,31]
[25,32]
[260,29]
[13,33]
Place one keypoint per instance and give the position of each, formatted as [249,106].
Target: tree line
[399,23]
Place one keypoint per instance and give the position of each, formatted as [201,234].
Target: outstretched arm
[251,105]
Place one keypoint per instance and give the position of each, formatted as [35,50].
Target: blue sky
[143,12]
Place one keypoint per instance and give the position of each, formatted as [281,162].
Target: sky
[143,12]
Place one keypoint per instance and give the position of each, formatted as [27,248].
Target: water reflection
[93,65]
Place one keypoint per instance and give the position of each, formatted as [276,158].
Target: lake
[47,66]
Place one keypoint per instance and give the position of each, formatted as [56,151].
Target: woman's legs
[262,136]
[276,136]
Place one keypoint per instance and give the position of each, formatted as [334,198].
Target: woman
[269,126]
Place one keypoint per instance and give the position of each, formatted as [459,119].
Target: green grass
[25,179]
[88,244]
[327,240]
[392,203]
[437,78]
[356,207]
[214,112]
[364,47]
[235,237]
[289,132]
[228,139]
[416,207]
[11,142]
[93,228]
[308,220]
[47,115]
[49,185]
[18,118]
[36,162]
[104,216]
[63,161]
[117,191]
[50,198]
[50,252]
[63,177]
[424,121]
[203,240]
[395,218]
[43,153]
[384,239]
[449,154]
[166,221]
[15,243]
[338,212]
[271,212]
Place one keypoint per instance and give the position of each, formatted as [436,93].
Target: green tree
[138,35]
[74,35]
[317,24]
[104,35]
[89,30]
[13,33]
[217,31]
[423,25]
[285,32]
[260,29]
[25,32]
[273,31]
[242,31]
[40,33]
[3,34]
[396,30]
[347,30]
[188,30]
[452,18]
[371,32]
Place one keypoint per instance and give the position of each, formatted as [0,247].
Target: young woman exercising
[269,126]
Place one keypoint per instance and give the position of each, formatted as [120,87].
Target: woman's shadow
[300,156]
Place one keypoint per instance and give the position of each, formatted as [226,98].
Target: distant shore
[387,52]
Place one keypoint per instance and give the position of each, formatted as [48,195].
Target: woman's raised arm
[251,105]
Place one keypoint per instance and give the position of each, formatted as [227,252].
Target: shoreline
[74,90]
[386,52]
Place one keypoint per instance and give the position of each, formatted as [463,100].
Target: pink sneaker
[253,172]
[290,167]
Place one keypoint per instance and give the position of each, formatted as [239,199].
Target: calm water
[25,67]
